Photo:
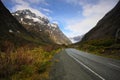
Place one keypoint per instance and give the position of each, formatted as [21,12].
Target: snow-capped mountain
[27,17]
[76,39]
[40,25]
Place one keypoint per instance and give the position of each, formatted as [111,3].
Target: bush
[101,42]
[103,47]
[25,64]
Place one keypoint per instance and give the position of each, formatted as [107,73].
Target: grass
[104,47]
[26,64]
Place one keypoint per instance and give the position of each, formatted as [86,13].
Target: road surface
[71,64]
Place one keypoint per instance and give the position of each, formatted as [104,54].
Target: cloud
[26,4]
[92,13]
[80,2]
[100,8]
[82,26]
[37,1]
[46,10]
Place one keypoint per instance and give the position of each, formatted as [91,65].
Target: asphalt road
[71,64]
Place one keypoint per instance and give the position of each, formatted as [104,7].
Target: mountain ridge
[10,28]
[107,26]
[37,24]
[104,38]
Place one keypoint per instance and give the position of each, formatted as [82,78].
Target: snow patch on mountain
[27,14]
[29,17]
[37,20]
[54,25]
[10,31]
[21,19]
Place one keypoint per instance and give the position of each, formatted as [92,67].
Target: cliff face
[107,27]
[8,23]
[40,25]
[10,28]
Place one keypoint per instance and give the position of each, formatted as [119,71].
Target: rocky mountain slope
[107,27]
[40,25]
[10,29]
[104,38]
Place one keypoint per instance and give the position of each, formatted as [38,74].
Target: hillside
[40,25]
[107,27]
[11,30]
[23,55]
[14,35]
[37,31]
[104,38]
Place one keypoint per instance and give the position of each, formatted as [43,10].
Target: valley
[33,46]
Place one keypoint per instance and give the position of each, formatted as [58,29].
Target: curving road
[71,64]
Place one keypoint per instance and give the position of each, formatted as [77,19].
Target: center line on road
[86,67]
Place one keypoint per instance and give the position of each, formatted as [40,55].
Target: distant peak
[30,13]
[25,12]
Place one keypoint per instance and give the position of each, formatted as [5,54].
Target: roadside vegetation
[26,62]
[104,47]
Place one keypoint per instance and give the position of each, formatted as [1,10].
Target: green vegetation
[104,47]
[26,63]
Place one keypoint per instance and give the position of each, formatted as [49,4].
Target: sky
[74,17]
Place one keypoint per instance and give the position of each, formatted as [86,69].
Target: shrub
[7,47]
[25,64]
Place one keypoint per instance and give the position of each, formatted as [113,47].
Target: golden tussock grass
[26,64]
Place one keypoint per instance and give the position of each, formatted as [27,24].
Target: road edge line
[87,67]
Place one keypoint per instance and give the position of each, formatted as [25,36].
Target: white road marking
[87,67]
[114,65]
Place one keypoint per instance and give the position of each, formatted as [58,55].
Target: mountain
[104,38]
[40,25]
[10,29]
[76,39]
[13,35]
[107,27]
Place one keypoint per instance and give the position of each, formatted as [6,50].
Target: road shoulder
[65,68]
